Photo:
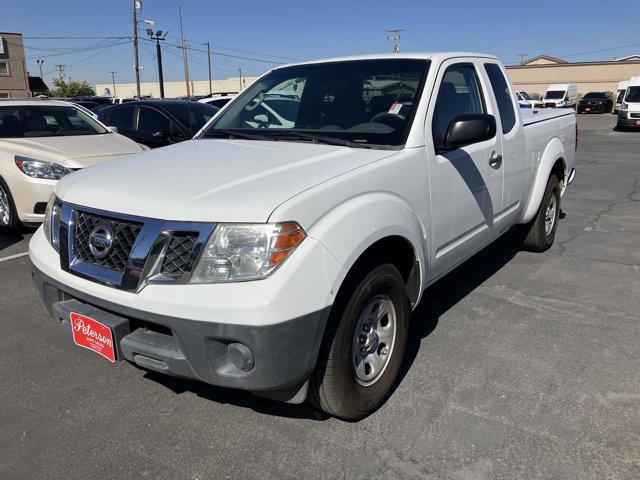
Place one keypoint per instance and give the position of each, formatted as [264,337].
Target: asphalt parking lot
[520,365]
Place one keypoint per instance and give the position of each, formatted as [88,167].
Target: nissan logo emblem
[101,241]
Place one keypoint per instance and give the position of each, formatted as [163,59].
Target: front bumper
[27,192]
[592,109]
[272,360]
[628,119]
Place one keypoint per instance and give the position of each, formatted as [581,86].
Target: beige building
[534,75]
[173,89]
[13,72]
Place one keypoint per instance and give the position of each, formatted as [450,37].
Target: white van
[561,95]
[622,88]
[527,101]
[629,113]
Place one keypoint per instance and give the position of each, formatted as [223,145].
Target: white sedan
[41,141]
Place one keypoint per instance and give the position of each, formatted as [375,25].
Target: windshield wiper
[284,135]
[227,133]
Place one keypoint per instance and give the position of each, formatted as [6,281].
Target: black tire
[534,235]
[10,222]
[334,386]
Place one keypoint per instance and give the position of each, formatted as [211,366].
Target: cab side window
[121,117]
[459,94]
[152,121]
[503,96]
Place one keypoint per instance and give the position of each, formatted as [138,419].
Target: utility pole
[158,37]
[137,4]
[208,44]
[395,37]
[60,71]
[240,76]
[40,61]
[184,54]
[113,82]
[522,55]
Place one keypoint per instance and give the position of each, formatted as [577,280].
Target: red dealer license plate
[91,334]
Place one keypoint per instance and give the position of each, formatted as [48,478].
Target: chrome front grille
[124,237]
[128,252]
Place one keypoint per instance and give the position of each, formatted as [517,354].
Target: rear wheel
[8,216]
[539,234]
[363,349]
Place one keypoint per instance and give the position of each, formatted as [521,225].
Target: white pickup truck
[285,259]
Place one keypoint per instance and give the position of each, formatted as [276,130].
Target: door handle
[495,160]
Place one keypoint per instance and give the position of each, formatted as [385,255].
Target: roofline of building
[10,33]
[574,64]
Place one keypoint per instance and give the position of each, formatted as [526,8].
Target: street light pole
[158,37]
[240,75]
[40,61]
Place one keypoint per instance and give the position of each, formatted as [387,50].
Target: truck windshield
[26,121]
[525,96]
[633,95]
[554,94]
[359,103]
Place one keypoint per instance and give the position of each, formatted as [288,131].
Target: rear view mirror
[468,129]
[262,118]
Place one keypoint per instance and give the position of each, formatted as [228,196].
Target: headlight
[51,225]
[39,169]
[238,252]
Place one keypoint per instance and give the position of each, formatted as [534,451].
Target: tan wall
[15,84]
[175,89]
[601,76]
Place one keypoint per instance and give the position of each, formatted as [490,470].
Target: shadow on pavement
[236,397]
[448,291]
[8,239]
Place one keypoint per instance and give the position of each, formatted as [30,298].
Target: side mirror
[468,129]
[164,135]
[112,129]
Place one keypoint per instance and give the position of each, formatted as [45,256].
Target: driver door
[466,183]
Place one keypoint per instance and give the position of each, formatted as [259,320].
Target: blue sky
[287,31]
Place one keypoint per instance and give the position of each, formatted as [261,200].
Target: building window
[4,69]
[4,95]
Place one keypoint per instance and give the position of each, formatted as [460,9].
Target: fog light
[240,356]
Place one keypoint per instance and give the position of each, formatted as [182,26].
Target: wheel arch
[380,226]
[551,161]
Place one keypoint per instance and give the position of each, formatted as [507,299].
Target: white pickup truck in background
[285,259]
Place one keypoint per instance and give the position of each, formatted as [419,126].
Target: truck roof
[435,56]
[561,86]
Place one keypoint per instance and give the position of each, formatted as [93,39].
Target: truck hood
[211,180]
[78,151]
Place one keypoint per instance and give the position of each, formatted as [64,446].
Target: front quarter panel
[351,212]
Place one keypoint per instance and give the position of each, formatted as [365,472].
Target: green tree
[71,89]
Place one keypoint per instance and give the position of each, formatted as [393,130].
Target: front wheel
[8,216]
[538,235]
[363,349]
